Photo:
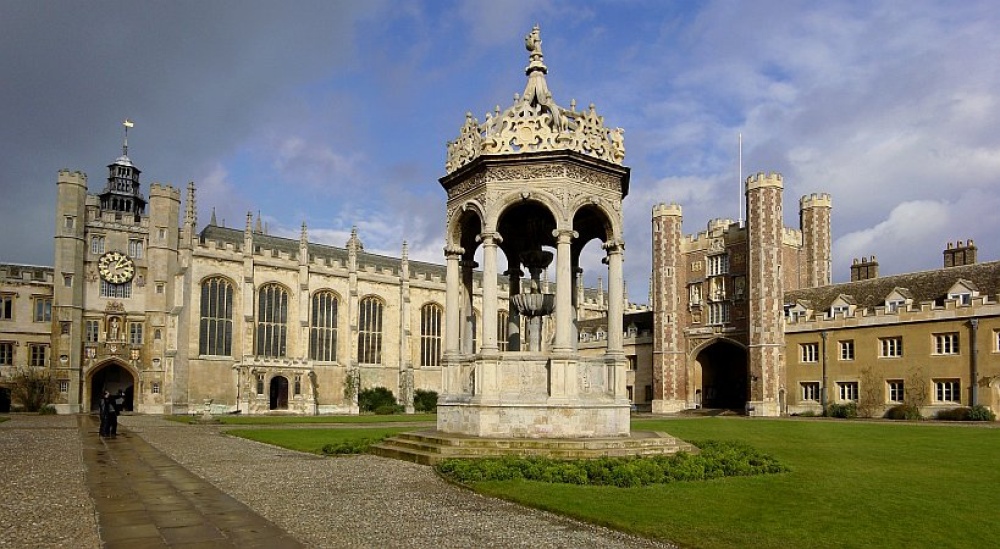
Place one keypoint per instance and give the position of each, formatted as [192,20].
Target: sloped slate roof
[922,286]
[643,320]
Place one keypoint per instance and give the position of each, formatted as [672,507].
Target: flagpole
[740,182]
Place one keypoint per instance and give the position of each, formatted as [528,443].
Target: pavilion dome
[536,123]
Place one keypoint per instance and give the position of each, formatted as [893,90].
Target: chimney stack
[864,269]
[959,254]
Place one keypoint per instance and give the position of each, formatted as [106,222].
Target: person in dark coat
[117,408]
[105,406]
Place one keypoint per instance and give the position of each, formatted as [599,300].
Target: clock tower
[114,268]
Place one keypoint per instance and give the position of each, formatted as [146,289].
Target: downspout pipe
[974,361]
[822,390]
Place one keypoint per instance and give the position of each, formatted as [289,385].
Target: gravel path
[363,501]
[45,502]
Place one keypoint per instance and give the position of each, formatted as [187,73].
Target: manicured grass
[852,484]
[313,440]
[278,420]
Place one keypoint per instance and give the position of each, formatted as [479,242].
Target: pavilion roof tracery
[536,123]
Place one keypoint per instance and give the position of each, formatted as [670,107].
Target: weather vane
[128,124]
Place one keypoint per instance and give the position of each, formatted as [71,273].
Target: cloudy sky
[337,113]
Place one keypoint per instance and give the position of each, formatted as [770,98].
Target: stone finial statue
[533,42]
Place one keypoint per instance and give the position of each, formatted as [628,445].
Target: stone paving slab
[145,499]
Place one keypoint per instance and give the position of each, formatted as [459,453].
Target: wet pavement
[144,499]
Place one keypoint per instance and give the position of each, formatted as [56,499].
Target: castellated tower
[669,369]
[814,219]
[164,209]
[766,343]
[67,310]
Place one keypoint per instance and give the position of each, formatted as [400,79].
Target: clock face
[116,267]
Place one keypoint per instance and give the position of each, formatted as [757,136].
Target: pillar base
[663,406]
[759,408]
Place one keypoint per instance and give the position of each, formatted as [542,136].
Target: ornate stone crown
[536,123]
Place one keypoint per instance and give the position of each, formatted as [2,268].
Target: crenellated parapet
[813,320]
[74,177]
[160,190]
[761,179]
[815,200]
[664,210]
[536,123]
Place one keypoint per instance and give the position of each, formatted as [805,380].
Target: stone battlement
[880,315]
[761,179]
[166,191]
[75,177]
[662,210]
[815,200]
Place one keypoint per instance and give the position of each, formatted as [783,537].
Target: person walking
[105,407]
[117,407]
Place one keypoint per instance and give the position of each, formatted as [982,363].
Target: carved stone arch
[227,278]
[550,201]
[374,296]
[281,285]
[464,226]
[611,221]
[327,289]
[711,341]
[100,371]
[720,374]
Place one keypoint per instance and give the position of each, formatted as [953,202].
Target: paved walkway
[165,484]
[146,500]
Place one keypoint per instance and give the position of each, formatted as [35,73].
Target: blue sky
[337,113]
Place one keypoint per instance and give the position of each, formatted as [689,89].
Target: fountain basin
[534,305]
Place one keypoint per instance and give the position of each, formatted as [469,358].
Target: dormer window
[961,299]
[962,292]
[841,306]
[895,305]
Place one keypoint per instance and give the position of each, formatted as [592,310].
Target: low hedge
[716,460]
[964,413]
[351,447]
[903,411]
[845,411]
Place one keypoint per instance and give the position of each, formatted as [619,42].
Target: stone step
[432,447]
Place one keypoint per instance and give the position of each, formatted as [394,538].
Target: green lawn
[277,420]
[852,485]
[313,440]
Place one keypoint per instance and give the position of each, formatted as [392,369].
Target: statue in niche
[113,329]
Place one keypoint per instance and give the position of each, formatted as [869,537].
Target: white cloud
[906,231]
[314,163]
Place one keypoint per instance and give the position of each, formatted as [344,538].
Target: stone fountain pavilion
[536,182]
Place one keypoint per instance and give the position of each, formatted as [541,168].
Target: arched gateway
[723,367]
[112,376]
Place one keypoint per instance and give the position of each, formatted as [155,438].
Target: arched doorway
[723,375]
[112,377]
[279,393]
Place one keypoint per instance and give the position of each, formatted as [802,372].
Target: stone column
[616,293]
[468,311]
[564,292]
[490,242]
[452,317]
[513,315]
